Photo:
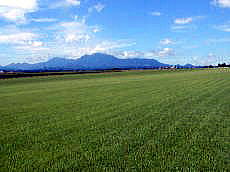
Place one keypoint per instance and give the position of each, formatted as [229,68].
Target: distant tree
[223,65]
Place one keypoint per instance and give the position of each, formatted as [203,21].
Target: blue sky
[173,31]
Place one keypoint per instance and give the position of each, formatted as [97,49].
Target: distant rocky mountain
[87,62]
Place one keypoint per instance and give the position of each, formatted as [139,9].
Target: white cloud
[36,43]
[179,27]
[66,39]
[183,28]
[222,3]
[165,52]
[183,20]
[73,2]
[127,54]
[224,27]
[31,54]
[41,20]
[93,46]
[98,7]
[75,31]
[211,59]
[110,45]
[31,48]
[65,3]
[15,10]
[156,13]
[166,41]
[76,38]
[17,38]
[96,29]
[21,42]
[132,54]
[20,4]
[188,20]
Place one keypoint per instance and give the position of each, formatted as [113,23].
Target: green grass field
[128,121]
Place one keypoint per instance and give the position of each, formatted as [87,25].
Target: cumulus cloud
[97,29]
[77,31]
[210,59]
[183,28]
[17,38]
[74,31]
[165,52]
[224,27]
[36,43]
[71,39]
[15,10]
[188,20]
[184,24]
[156,13]
[183,20]
[221,3]
[93,46]
[22,42]
[73,2]
[166,41]
[105,46]
[98,7]
[43,20]
[74,39]
[127,54]
[31,48]
[179,27]
[131,54]
[65,3]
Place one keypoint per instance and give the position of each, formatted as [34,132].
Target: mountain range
[87,62]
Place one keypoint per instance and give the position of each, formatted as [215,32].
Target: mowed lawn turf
[128,121]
